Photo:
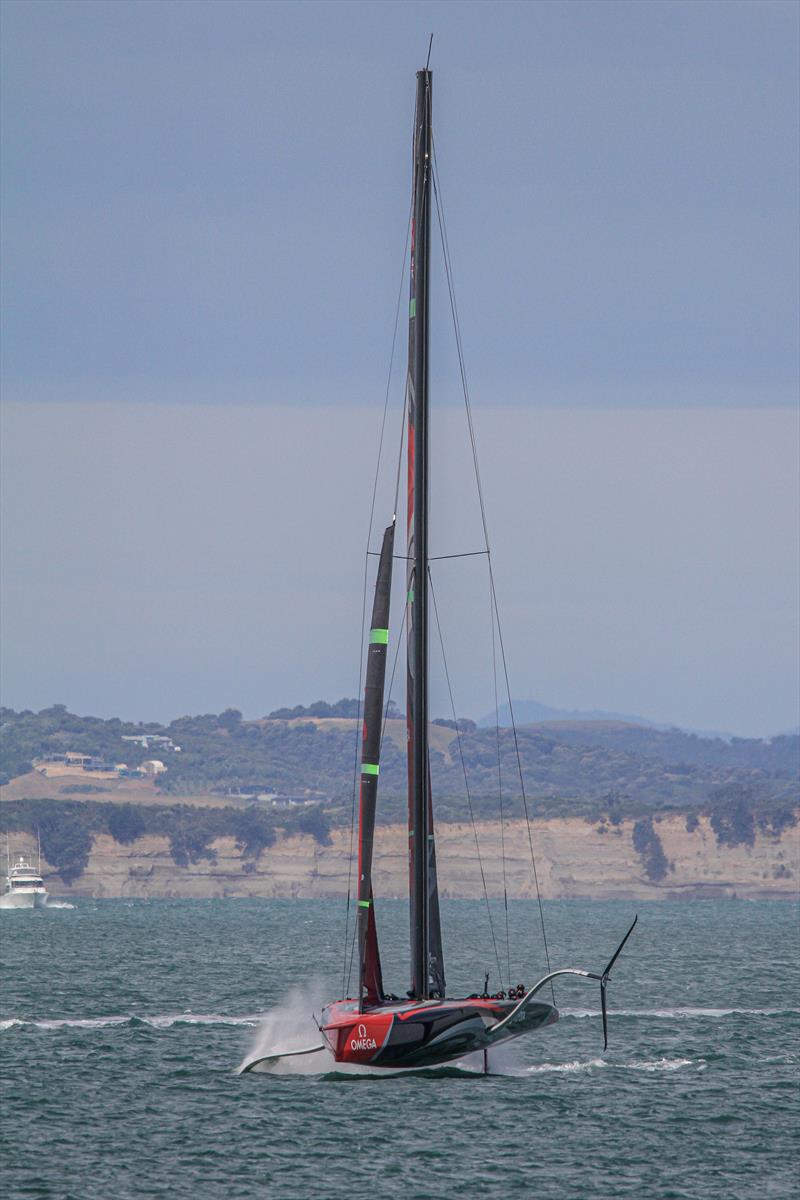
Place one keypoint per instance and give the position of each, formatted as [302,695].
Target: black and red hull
[414,1033]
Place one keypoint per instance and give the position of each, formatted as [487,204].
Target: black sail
[427,962]
[435,957]
[370,979]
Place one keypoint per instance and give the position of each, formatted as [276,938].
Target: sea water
[123,1025]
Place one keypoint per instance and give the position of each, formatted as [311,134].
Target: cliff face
[574,859]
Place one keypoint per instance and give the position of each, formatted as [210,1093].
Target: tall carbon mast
[427,966]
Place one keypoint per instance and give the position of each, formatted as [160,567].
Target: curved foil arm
[517,1014]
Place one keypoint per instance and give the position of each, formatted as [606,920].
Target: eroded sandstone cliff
[574,859]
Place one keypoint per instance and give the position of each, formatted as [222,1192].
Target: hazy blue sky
[204,211]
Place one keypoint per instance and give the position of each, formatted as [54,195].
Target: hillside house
[152,766]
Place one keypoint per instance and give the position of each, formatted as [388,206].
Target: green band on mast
[379,637]
[412,308]
[364,903]
[369,768]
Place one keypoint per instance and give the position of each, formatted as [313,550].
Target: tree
[253,831]
[230,719]
[647,845]
[66,843]
[126,824]
[314,822]
[189,841]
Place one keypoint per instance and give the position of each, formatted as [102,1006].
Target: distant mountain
[531,712]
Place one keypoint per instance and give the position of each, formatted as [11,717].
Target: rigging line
[355,784]
[468,407]
[405,389]
[391,677]
[466,554]
[432,557]
[457,330]
[346,986]
[500,782]
[400,451]
[521,779]
[466,784]
[389,383]
[366,581]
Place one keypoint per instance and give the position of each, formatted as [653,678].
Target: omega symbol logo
[362,1042]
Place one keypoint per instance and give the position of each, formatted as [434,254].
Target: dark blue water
[124,1022]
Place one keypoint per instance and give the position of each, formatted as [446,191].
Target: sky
[203,215]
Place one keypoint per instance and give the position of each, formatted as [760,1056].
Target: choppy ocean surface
[122,1025]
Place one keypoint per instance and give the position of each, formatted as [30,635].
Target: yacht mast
[418,772]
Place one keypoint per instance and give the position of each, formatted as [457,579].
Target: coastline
[575,859]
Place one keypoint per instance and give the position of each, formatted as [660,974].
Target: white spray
[289,1029]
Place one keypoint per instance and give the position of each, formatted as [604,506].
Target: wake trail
[290,1025]
[164,1021]
[592,1064]
[682,1013]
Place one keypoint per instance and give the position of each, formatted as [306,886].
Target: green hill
[575,767]
[602,771]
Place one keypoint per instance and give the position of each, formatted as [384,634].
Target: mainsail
[370,979]
[427,963]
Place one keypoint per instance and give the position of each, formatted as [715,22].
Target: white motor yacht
[24,886]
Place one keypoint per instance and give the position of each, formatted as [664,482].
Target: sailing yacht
[426,1027]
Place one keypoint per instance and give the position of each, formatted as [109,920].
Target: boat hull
[20,899]
[423,1033]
